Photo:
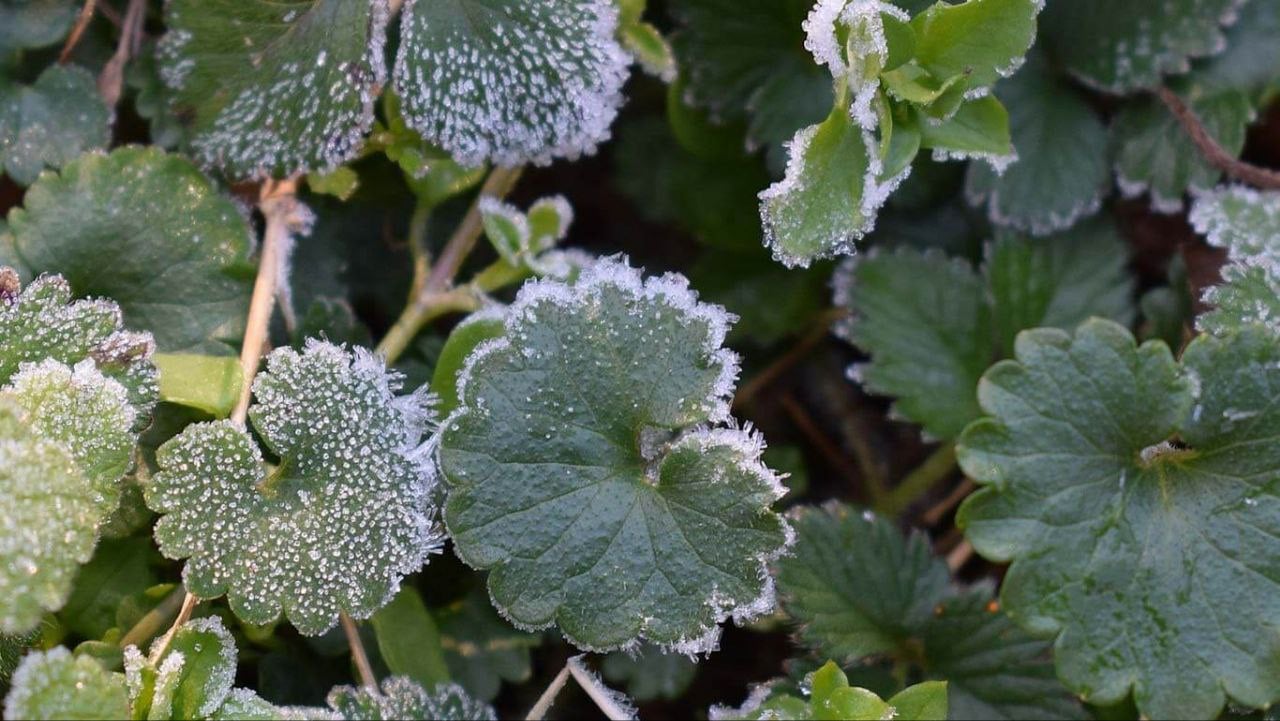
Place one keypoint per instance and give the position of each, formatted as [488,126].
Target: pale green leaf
[341,182]
[978,129]
[148,230]
[510,83]
[1128,46]
[34,23]
[401,698]
[207,383]
[54,685]
[50,123]
[409,640]
[831,697]
[982,40]
[193,677]
[590,482]
[1136,499]
[334,526]
[274,88]
[1246,223]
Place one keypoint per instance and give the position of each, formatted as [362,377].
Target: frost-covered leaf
[404,699]
[1154,154]
[34,23]
[523,239]
[1251,61]
[149,231]
[193,677]
[55,685]
[151,98]
[243,704]
[650,673]
[1045,190]
[932,324]
[334,525]
[590,482]
[1246,223]
[511,83]
[481,649]
[831,697]
[51,122]
[859,589]
[979,129]
[274,88]
[645,42]
[1136,499]
[981,40]
[1128,46]
[745,60]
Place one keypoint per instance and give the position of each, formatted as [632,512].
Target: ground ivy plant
[384,359]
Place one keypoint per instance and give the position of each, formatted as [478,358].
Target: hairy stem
[82,22]
[1213,151]
[184,614]
[358,653]
[936,467]
[427,304]
[548,697]
[603,699]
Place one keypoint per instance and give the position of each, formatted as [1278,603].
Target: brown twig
[77,30]
[1212,150]
[766,377]
[935,513]
[827,447]
[959,556]
[111,80]
[357,652]
[189,603]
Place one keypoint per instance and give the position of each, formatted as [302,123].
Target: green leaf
[511,83]
[463,340]
[50,123]
[1246,223]
[274,88]
[402,698]
[1122,47]
[245,705]
[925,701]
[978,129]
[1155,155]
[481,649]
[118,569]
[341,182]
[581,476]
[859,589]
[645,42]
[1045,189]
[982,40]
[932,324]
[409,640]
[1136,500]
[207,383]
[54,685]
[34,23]
[829,196]
[831,697]
[1251,61]
[349,494]
[151,98]
[746,60]
[650,674]
[148,230]
[191,680]
[772,302]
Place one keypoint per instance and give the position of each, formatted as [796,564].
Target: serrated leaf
[54,685]
[1246,223]
[1154,155]
[401,698]
[510,83]
[932,324]
[831,697]
[983,40]
[50,123]
[859,589]
[409,640]
[481,649]
[335,525]
[1045,190]
[650,674]
[274,88]
[1136,498]
[34,23]
[148,230]
[1123,47]
[745,60]
[605,494]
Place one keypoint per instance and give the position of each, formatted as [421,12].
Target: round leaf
[50,123]
[55,685]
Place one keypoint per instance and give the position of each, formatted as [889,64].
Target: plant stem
[834,454]
[764,378]
[1213,152]
[548,697]
[281,209]
[184,614]
[357,652]
[603,699]
[82,22]
[155,619]
[427,304]
[959,556]
[936,467]
[111,80]
[940,509]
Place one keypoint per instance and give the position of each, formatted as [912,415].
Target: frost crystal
[511,83]
[54,684]
[403,698]
[1246,223]
[335,524]
[583,473]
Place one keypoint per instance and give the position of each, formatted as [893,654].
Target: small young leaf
[1045,190]
[402,698]
[978,129]
[409,640]
[50,123]
[644,41]
[1134,497]
[51,685]
[274,88]
[192,679]
[335,525]
[585,479]
[982,40]
[207,383]
[1247,223]
[1123,47]
[510,83]
[151,231]
[831,697]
